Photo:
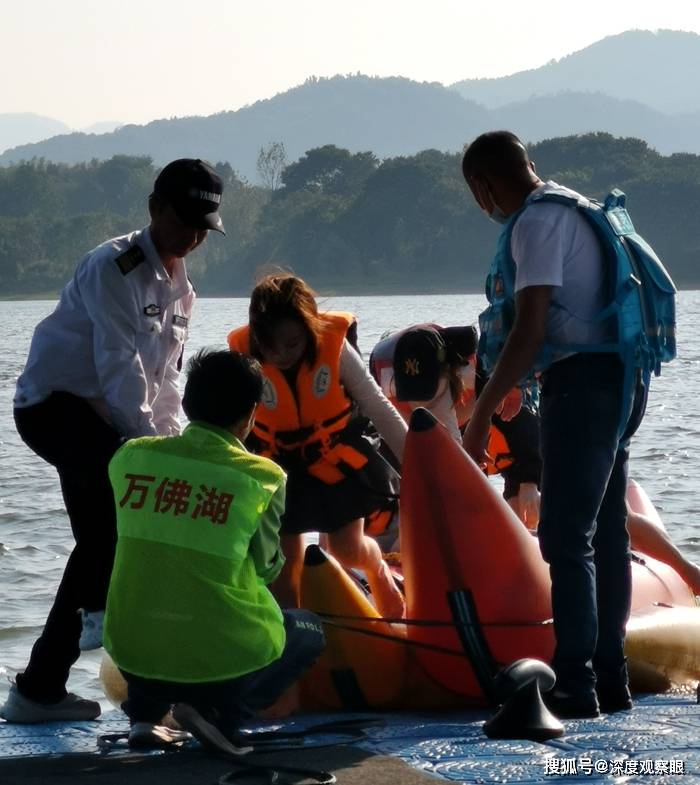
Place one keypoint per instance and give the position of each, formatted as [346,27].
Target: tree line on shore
[347,222]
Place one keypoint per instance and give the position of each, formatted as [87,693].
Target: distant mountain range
[22,128]
[658,69]
[637,83]
[392,116]
[102,127]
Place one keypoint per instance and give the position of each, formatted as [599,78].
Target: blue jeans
[582,531]
[229,703]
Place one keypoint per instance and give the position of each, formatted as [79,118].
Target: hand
[476,438]
[510,405]
[529,503]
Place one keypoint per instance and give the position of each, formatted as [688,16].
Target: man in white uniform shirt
[102,368]
[559,289]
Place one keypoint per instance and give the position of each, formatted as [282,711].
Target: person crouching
[189,617]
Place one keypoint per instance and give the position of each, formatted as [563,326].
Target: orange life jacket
[499,452]
[307,423]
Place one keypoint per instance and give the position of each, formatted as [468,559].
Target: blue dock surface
[658,741]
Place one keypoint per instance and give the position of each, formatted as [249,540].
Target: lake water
[35,537]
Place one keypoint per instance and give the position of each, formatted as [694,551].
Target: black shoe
[614,697]
[566,706]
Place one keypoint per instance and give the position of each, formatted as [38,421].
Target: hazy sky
[82,61]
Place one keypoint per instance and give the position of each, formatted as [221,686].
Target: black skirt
[313,505]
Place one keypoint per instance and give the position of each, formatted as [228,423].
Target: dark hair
[461,345]
[283,296]
[453,370]
[222,387]
[496,153]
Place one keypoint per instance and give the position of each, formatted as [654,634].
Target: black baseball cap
[419,360]
[194,190]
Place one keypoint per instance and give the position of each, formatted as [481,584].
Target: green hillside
[349,222]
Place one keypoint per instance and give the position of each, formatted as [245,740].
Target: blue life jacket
[640,295]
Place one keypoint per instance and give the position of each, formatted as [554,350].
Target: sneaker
[148,736]
[17,708]
[566,706]
[206,733]
[614,697]
[91,636]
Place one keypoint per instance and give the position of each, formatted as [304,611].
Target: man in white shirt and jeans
[559,289]
[102,368]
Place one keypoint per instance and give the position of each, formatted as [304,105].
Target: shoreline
[243,295]
[322,291]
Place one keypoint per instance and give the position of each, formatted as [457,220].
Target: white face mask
[497,215]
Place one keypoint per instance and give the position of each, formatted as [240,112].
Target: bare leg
[514,504]
[353,548]
[648,538]
[286,586]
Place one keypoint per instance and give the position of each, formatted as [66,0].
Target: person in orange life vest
[308,422]
[429,354]
[434,367]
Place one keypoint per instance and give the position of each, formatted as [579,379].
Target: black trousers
[230,703]
[66,432]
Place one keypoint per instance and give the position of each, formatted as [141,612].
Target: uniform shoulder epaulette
[130,259]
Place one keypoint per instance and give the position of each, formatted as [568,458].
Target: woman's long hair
[283,296]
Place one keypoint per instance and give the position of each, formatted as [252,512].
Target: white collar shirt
[116,338]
